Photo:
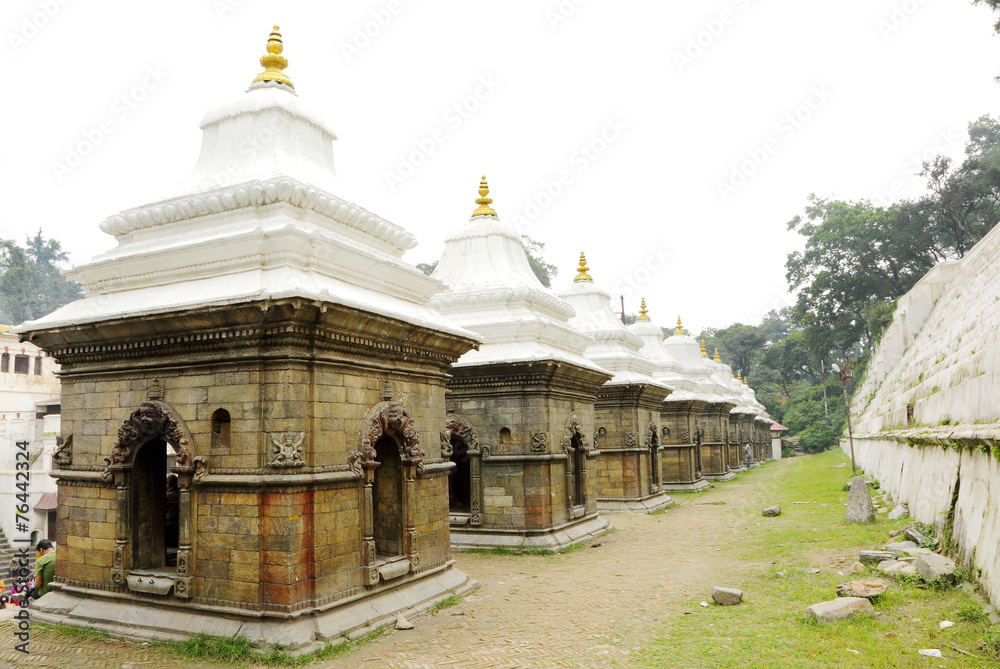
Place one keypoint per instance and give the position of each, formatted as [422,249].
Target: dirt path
[591,608]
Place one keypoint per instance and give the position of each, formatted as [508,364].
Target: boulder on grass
[869,589]
[726,596]
[859,503]
[935,567]
[839,609]
[898,513]
[914,535]
[772,511]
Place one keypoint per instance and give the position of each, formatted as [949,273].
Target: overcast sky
[671,141]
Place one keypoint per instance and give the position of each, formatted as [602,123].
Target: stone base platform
[728,476]
[301,632]
[648,504]
[554,539]
[700,484]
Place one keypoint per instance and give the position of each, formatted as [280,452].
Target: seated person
[45,569]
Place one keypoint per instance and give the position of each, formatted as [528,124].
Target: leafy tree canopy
[30,283]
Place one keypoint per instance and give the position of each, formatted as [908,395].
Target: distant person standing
[45,569]
[748,450]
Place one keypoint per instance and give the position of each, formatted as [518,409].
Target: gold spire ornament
[731,371]
[680,328]
[273,62]
[581,274]
[484,202]
[643,314]
[745,381]
[716,357]
[738,377]
[704,353]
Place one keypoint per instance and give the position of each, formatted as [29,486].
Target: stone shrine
[627,411]
[521,407]
[261,340]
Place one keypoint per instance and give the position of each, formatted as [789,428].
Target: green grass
[770,628]
[239,651]
[450,600]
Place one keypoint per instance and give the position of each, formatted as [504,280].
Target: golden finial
[484,202]
[704,353]
[716,358]
[745,381]
[582,269]
[680,328]
[643,314]
[730,371]
[273,62]
[738,377]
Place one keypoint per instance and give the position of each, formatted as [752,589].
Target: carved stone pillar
[371,571]
[409,516]
[477,490]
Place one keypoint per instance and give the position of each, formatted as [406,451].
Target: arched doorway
[460,478]
[149,502]
[387,499]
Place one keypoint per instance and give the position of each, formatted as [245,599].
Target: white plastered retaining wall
[924,477]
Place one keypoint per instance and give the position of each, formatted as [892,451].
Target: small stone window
[20,364]
[5,362]
[505,436]
[666,432]
[220,429]
[38,365]
[601,432]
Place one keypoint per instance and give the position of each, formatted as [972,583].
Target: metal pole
[826,409]
[623,309]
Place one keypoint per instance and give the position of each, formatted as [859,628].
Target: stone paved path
[590,608]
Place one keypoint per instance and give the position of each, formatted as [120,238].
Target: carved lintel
[286,449]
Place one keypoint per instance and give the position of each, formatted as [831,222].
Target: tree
[737,344]
[543,270]
[427,267]
[30,283]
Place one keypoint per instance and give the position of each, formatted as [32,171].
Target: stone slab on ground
[859,503]
[772,511]
[898,513]
[869,589]
[839,609]
[914,535]
[935,567]
[874,557]
[726,596]
[901,546]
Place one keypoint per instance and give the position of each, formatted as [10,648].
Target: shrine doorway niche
[388,461]
[576,448]
[460,444]
[152,468]
[653,444]
[460,478]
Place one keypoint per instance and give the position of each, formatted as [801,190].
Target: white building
[29,415]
